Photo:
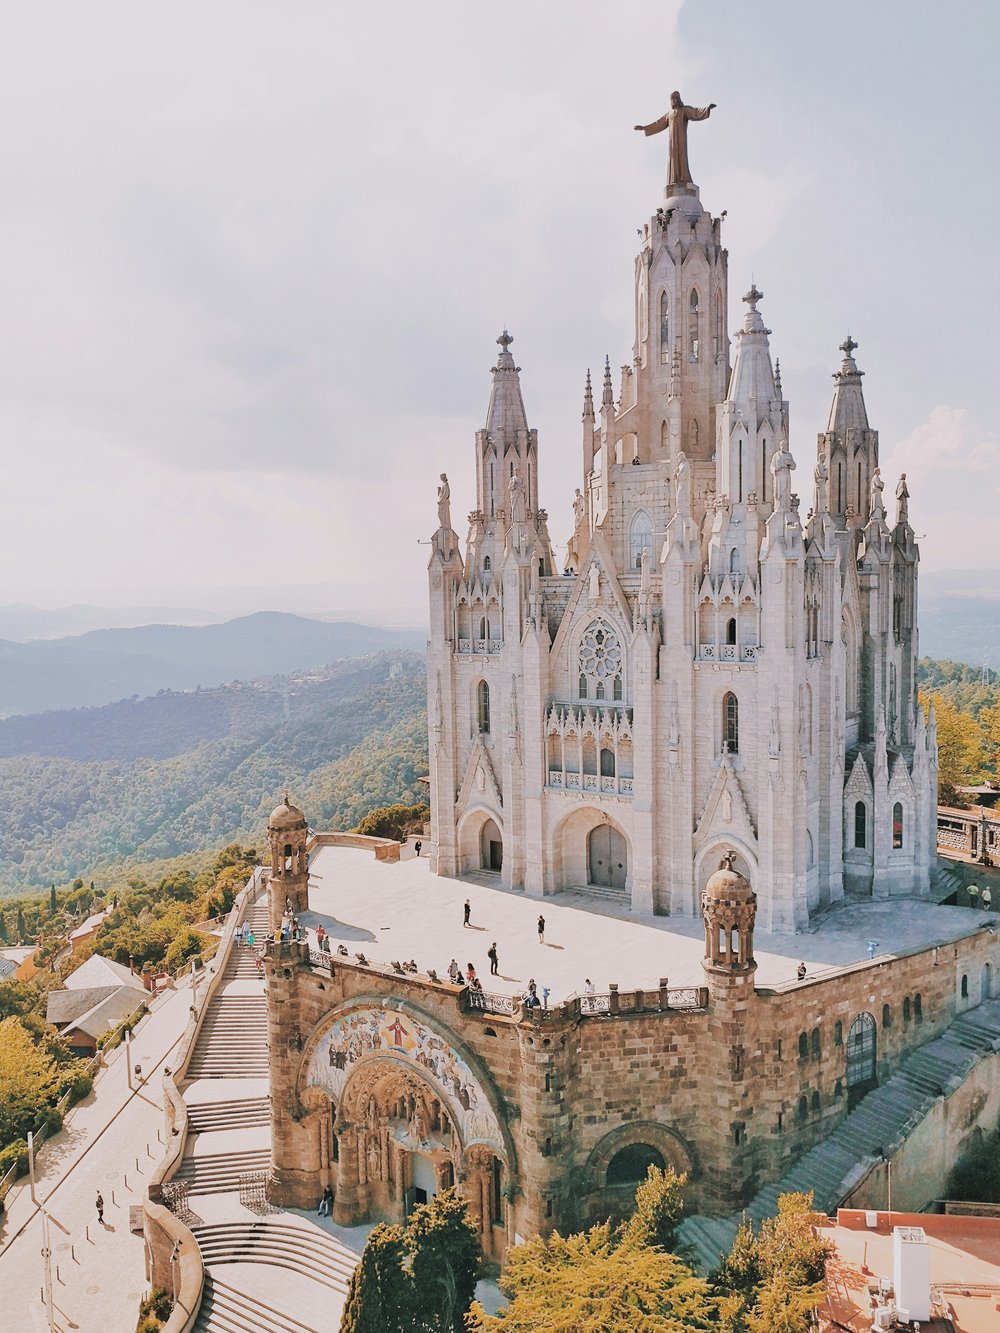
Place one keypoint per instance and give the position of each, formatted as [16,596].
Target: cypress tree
[379,1299]
[53,904]
[4,937]
[22,930]
[445,1256]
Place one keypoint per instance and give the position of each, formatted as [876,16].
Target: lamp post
[888,1183]
[128,1058]
[31,1165]
[47,1270]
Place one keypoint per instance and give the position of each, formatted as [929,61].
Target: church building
[716,664]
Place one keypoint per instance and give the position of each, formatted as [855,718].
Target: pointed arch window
[664,329]
[640,539]
[860,824]
[693,336]
[897,826]
[731,630]
[730,723]
[483,707]
[720,337]
[664,436]
[487,563]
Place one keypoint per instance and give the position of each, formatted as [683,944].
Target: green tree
[380,1297]
[659,1205]
[960,747]
[590,1283]
[445,1256]
[22,929]
[53,903]
[4,937]
[29,1081]
[394,821]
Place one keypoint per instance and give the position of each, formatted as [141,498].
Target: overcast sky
[254,258]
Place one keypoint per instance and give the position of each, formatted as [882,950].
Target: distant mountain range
[20,621]
[107,665]
[141,780]
[960,616]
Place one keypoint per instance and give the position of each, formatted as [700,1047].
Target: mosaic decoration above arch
[367,1033]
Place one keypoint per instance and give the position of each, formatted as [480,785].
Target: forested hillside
[148,779]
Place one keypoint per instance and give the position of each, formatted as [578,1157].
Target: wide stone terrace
[401,911]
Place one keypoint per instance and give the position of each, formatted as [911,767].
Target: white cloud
[952,467]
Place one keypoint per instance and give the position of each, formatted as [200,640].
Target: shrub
[394,821]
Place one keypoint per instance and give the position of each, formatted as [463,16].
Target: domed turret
[288,836]
[729,906]
[285,817]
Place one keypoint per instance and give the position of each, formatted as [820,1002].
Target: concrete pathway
[110,1142]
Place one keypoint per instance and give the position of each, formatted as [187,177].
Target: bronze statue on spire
[676,121]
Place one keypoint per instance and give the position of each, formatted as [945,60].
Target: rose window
[600,664]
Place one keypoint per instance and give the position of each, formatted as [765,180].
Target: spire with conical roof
[506,415]
[588,399]
[751,422]
[753,374]
[608,396]
[848,406]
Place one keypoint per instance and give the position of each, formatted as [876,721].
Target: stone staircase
[301,1249]
[232,1042]
[226,1309]
[882,1120]
[206,1117]
[219,1173]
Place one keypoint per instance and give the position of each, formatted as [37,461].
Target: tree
[53,903]
[4,937]
[960,747]
[22,930]
[772,1281]
[394,821]
[29,1081]
[591,1283]
[445,1255]
[659,1204]
[380,1299]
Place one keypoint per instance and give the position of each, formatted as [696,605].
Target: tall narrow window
[640,539]
[840,488]
[860,824]
[607,763]
[763,470]
[487,563]
[730,724]
[664,329]
[897,825]
[484,707]
[693,338]
[861,494]
[739,480]
[731,630]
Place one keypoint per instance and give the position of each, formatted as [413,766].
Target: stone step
[220,1172]
[881,1121]
[225,1309]
[310,1252]
[230,1114]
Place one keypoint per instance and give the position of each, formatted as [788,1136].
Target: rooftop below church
[402,911]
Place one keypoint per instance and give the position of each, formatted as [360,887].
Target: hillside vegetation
[144,780]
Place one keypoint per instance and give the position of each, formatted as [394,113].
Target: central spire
[506,415]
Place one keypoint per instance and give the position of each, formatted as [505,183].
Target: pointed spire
[753,374]
[608,397]
[588,399]
[506,415]
[777,376]
[848,407]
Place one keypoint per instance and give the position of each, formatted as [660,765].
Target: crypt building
[715,663]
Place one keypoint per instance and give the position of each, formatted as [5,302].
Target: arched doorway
[630,1165]
[491,847]
[861,1056]
[607,858]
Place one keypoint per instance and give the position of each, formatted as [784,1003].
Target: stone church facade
[711,667]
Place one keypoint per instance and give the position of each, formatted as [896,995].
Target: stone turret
[287,836]
[729,908]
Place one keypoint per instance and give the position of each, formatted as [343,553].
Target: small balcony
[573,782]
[470,647]
[728,652]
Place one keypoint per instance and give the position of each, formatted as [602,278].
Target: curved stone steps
[310,1253]
[206,1117]
[226,1309]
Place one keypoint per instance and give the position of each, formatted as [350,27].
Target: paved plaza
[398,912]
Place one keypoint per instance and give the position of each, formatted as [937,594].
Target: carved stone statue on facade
[876,505]
[682,483]
[444,503]
[822,477]
[515,495]
[676,121]
[902,501]
[782,465]
[595,583]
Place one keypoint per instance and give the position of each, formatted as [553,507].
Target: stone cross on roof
[848,347]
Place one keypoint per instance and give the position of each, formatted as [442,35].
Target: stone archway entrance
[862,1049]
[607,858]
[411,1118]
[491,847]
